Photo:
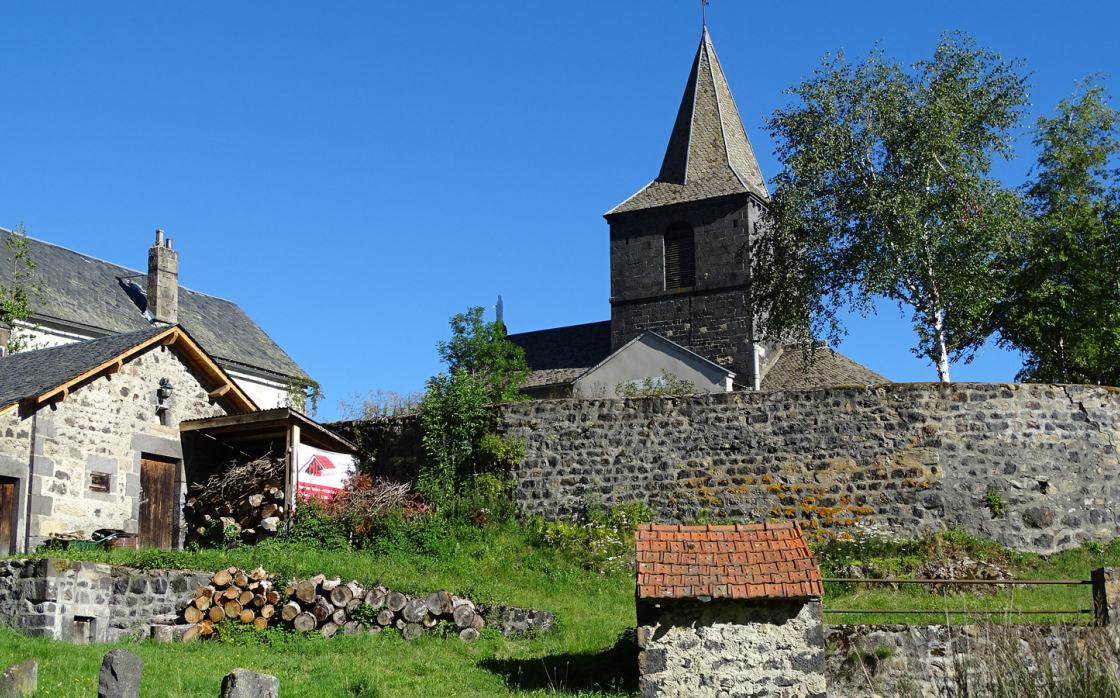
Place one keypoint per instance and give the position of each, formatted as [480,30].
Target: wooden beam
[115,367]
[171,338]
[220,390]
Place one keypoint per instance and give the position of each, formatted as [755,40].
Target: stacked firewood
[244,597]
[245,497]
[329,606]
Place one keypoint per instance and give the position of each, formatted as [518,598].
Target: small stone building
[89,435]
[729,611]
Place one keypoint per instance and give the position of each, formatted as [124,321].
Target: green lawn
[590,652]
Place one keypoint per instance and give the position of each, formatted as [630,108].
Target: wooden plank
[157,499]
[220,390]
[7,518]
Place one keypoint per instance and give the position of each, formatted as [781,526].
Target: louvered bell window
[680,257]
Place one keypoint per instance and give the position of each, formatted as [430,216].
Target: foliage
[304,395]
[886,192]
[604,542]
[15,300]
[480,349]
[314,527]
[453,418]
[379,403]
[1063,309]
[995,502]
[666,384]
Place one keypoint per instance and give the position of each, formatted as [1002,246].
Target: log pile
[243,597]
[246,497]
[329,606]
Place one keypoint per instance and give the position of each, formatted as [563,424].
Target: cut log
[415,610]
[232,609]
[267,611]
[259,575]
[290,589]
[322,610]
[245,598]
[464,617]
[412,631]
[439,603]
[191,634]
[396,601]
[430,621]
[241,579]
[247,616]
[352,628]
[222,578]
[339,617]
[384,617]
[231,592]
[206,628]
[217,613]
[260,623]
[290,611]
[329,585]
[192,615]
[374,598]
[202,603]
[341,595]
[353,606]
[255,500]
[328,629]
[272,597]
[305,591]
[373,629]
[304,622]
[204,592]
[468,635]
[258,600]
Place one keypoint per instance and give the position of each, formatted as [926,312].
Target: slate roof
[709,154]
[823,368]
[560,355]
[735,562]
[97,295]
[34,373]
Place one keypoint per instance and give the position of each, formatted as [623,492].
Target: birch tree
[886,193]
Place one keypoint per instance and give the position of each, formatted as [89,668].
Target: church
[678,268]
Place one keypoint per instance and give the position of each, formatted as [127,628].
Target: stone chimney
[163,281]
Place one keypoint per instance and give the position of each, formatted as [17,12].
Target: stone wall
[90,602]
[103,426]
[944,661]
[895,460]
[726,647]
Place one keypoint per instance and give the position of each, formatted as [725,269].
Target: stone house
[729,610]
[87,298]
[677,262]
[89,434]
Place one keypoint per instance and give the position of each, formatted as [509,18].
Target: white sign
[322,474]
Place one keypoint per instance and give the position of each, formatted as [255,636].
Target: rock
[120,675]
[20,680]
[242,683]
[1038,517]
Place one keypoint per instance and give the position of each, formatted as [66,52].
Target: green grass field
[590,652]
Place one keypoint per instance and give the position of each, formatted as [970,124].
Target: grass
[579,656]
[885,559]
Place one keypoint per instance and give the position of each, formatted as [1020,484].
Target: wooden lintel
[220,390]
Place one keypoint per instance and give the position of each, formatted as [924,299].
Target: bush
[604,543]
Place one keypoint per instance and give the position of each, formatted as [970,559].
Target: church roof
[560,355]
[709,154]
[795,369]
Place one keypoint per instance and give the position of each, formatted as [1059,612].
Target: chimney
[163,281]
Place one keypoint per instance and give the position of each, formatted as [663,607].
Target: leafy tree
[1063,308]
[480,349]
[15,300]
[886,193]
[454,417]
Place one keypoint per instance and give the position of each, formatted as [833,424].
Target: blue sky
[352,174]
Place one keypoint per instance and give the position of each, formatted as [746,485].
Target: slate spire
[709,154]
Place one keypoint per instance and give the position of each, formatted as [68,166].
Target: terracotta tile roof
[736,562]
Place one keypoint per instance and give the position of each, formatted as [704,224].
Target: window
[99,482]
[680,257]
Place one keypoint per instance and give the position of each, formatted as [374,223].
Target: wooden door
[157,502]
[8,510]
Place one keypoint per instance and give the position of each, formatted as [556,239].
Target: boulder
[242,683]
[120,675]
[20,680]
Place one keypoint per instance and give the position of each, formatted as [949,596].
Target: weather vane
[704,11]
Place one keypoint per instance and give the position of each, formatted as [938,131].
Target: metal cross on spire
[704,11]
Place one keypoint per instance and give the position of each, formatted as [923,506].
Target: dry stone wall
[895,460]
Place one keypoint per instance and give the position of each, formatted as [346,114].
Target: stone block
[20,680]
[120,675]
[242,683]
